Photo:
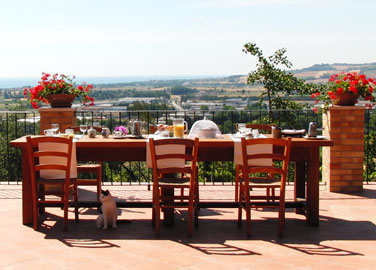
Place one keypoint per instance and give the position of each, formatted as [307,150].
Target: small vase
[345,99]
[61,100]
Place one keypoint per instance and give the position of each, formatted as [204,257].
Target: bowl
[207,132]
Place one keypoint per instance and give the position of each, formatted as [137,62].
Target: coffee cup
[49,132]
[69,132]
[118,133]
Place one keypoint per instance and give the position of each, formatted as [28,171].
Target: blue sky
[165,37]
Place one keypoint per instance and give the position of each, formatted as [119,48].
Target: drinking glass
[241,127]
[179,127]
[55,128]
[83,129]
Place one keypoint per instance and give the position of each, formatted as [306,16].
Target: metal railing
[14,124]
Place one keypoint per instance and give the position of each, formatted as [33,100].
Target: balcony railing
[14,124]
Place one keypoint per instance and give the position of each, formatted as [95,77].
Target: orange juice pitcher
[180,127]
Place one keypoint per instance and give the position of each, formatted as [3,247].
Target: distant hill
[321,72]
[318,73]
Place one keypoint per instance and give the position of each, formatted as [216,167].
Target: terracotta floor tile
[345,239]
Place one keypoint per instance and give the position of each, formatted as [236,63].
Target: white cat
[109,211]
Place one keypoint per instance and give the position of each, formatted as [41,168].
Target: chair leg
[76,218]
[157,220]
[66,197]
[248,217]
[281,220]
[157,213]
[35,195]
[196,216]
[197,190]
[240,211]
[196,209]
[236,183]
[153,217]
[247,208]
[190,217]
[99,181]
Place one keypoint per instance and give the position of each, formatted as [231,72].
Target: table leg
[299,184]
[27,201]
[168,213]
[313,176]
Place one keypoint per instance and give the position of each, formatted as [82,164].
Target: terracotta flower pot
[345,99]
[61,100]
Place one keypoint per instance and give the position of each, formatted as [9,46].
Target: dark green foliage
[278,83]
[181,90]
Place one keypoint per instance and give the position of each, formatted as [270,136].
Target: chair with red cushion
[253,177]
[174,163]
[50,162]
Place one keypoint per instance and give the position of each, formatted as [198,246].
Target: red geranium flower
[357,84]
[57,84]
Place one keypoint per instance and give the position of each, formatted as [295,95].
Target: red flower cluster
[357,84]
[57,84]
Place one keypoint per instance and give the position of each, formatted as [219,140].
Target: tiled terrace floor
[345,239]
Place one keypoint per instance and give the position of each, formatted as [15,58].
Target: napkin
[252,149]
[58,174]
[164,149]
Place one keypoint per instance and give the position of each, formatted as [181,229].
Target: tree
[278,83]
[204,108]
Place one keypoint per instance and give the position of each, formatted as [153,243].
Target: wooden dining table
[305,153]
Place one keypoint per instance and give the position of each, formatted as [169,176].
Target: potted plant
[58,91]
[345,89]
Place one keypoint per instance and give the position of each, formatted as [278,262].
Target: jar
[105,132]
[312,129]
[276,132]
[91,133]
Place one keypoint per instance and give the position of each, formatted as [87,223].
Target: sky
[178,38]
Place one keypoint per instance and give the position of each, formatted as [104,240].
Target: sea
[28,82]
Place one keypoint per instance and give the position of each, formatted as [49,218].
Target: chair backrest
[170,155]
[263,128]
[272,149]
[50,157]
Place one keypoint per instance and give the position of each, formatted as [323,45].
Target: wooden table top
[225,141]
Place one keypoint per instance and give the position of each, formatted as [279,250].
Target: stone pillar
[65,117]
[342,164]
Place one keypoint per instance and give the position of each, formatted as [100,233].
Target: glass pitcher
[180,127]
[136,127]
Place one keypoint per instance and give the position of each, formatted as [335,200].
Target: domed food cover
[205,129]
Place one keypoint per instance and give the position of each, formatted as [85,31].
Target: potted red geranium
[345,89]
[58,91]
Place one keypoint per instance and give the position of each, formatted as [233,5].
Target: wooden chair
[169,158]
[90,168]
[263,128]
[259,177]
[41,161]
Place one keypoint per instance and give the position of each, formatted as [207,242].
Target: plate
[119,137]
[134,136]
[314,138]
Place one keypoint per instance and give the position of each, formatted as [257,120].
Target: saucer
[119,137]
[314,138]
[130,136]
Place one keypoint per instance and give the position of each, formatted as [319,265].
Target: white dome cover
[205,129]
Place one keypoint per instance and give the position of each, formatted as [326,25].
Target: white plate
[314,138]
[118,137]
[237,135]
